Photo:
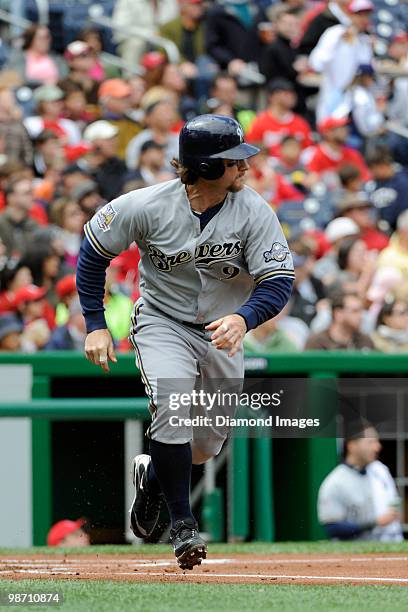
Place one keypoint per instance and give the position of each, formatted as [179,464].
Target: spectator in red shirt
[44,260]
[332,153]
[32,309]
[29,302]
[278,120]
[273,187]
[358,208]
[14,276]
[289,164]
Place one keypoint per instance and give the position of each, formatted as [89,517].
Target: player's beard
[236,185]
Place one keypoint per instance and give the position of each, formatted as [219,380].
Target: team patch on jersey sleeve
[278,252]
[105,217]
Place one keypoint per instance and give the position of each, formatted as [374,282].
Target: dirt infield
[239,568]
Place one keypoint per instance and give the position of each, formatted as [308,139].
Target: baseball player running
[214,264]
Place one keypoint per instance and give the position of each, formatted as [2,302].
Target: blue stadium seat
[313,213]
[68,17]
[390,17]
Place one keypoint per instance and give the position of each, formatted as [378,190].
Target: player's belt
[196,326]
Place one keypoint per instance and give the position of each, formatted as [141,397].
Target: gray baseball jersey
[347,495]
[193,275]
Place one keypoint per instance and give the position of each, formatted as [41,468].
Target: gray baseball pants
[175,359]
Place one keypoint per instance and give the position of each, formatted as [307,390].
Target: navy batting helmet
[208,139]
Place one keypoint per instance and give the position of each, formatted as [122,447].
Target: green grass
[266,548]
[109,596]
[86,596]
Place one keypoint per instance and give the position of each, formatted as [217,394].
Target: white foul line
[268,576]
[70,562]
[196,576]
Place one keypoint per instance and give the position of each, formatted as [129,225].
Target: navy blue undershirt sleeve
[267,300]
[345,530]
[90,279]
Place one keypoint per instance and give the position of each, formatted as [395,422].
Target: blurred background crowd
[91,104]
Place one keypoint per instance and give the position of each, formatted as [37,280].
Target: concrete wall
[15,461]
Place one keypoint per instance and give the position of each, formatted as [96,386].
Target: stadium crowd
[321,87]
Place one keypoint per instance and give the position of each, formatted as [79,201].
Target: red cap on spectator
[330,123]
[61,529]
[29,293]
[74,152]
[65,286]
[152,59]
[322,245]
[115,88]
[401,37]
[360,6]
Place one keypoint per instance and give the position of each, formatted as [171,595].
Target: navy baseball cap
[365,70]
[280,85]
[151,144]
[9,324]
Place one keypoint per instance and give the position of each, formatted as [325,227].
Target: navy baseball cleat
[189,548]
[146,506]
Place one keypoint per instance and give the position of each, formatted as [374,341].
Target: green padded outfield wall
[295,467]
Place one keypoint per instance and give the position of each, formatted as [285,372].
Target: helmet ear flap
[212,169]
[204,168]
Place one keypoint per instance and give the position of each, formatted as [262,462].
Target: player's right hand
[99,348]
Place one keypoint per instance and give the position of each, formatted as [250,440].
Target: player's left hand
[229,333]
